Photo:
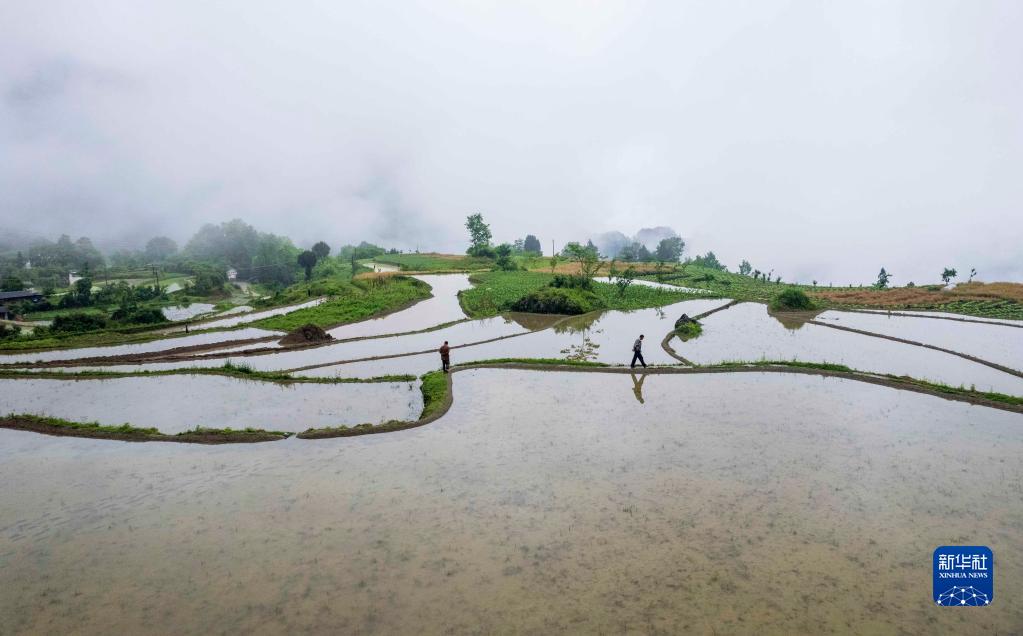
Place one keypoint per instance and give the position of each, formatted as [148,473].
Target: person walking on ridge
[637,352]
[445,356]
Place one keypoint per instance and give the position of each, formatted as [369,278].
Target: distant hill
[610,243]
[651,236]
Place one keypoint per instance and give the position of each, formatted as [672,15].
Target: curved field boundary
[63,428]
[882,312]
[36,424]
[191,352]
[666,342]
[965,356]
[410,353]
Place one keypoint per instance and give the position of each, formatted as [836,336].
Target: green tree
[504,261]
[669,249]
[532,244]
[710,261]
[882,279]
[745,268]
[11,283]
[307,260]
[479,235]
[629,253]
[586,256]
[948,274]
[207,279]
[973,272]
[321,249]
[160,248]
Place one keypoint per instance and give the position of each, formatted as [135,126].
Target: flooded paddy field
[416,365]
[236,319]
[179,403]
[542,502]
[461,333]
[152,346]
[186,312]
[992,342]
[945,314]
[442,308]
[747,332]
[592,335]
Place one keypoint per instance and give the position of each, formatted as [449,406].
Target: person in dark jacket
[445,356]
[637,352]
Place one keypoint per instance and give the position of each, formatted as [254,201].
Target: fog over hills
[820,140]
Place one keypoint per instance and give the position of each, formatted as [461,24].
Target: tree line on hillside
[255,256]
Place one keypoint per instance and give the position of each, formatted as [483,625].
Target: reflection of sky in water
[746,332]
[182,402]
[542,503]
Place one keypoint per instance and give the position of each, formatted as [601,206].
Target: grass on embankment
[434,262]
[359,300]
[129,433]
[494,292]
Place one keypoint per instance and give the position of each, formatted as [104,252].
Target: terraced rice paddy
[717,500]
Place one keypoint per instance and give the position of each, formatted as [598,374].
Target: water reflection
[637,386]
[792,320]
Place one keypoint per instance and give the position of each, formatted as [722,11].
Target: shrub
[792,299]
[558,300]
[77,322]
[688,330]
[572,282]
[146,317]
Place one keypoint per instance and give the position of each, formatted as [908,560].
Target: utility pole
[552,248]
[156,272]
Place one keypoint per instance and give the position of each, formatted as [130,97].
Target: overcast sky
[819,139]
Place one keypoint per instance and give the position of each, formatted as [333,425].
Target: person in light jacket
[637,352]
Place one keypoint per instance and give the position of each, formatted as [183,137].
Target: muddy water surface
[746,332]
[182,402]
[711,506]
